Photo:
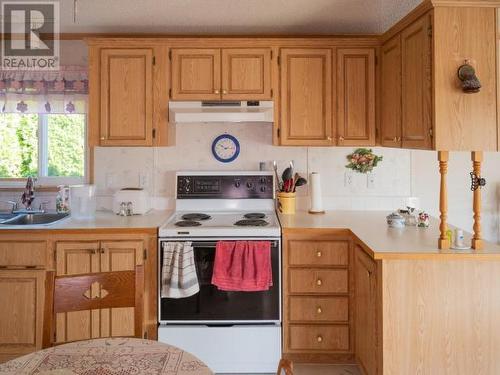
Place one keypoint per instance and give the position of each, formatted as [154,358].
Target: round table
[109,356]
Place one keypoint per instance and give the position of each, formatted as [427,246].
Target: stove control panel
[225,187]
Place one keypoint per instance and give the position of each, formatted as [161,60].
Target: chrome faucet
[29,194]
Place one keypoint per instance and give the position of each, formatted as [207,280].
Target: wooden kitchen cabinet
[435,114]
[126,97]
[317,290]
[356,96]
[196,74]
[96,256]
[366,320]
[390,93]
[128,94]
[416,85]
[22,294]
[306,97]
[246,73]
[221,73]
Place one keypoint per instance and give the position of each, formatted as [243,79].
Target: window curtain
[61,91]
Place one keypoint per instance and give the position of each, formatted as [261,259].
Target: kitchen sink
[32,219]
[4,217]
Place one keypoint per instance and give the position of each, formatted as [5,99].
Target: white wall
[401,174]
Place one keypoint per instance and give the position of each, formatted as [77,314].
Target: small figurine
[423,220]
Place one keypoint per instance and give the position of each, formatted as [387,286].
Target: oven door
[213,306]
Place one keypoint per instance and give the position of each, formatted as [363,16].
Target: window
[48,146]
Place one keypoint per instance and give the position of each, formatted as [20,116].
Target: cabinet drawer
[319,309]
[319,337]
[318,281]
[23,253]
[311,253]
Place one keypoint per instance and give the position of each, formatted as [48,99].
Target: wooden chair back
[285,367]
[92,291]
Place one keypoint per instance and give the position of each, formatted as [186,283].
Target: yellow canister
[286,203]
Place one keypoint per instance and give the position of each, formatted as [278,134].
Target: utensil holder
[286,203]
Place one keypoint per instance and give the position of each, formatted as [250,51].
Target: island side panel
[441,317]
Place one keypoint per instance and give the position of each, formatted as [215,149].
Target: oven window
[211,304]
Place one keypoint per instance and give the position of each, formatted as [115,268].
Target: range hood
[221,111]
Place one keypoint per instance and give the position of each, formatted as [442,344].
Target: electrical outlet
[110,179]
[370,180]
[348,179]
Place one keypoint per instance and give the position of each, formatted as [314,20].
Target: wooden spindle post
[444,241]
[477,241]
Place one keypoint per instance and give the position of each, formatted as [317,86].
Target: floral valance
[61,91]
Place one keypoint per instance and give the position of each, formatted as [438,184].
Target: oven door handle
[213,244]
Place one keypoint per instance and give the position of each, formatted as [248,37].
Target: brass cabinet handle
[341,139]
[103,138]
[395,139]
[319,253]
[92,251]
[224,91]
[319,282]
[319,339]
[329,138]
[319,310]
[399,139]
[101,250]
[216,91]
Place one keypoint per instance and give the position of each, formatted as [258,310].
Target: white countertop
[371,228]
[103,220]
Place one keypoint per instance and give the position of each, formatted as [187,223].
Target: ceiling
[231,16]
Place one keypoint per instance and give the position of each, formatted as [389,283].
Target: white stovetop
[221,224]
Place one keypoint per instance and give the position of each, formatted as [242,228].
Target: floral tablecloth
[110,356]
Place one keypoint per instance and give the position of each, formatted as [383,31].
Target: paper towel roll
[316,198]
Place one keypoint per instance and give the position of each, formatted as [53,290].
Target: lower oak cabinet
[317,291]
[330,294]
[366,317]
[23,267]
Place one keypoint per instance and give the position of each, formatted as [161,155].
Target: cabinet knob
[92,251]
[319,310]
[319,282]
[101,250]
[399,139]
[224,91]
[341,139]
[395,139]
[216,91]
[103,138]
[329,138]
[319,339]
[319,253]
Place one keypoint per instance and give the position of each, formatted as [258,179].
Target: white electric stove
[246,326]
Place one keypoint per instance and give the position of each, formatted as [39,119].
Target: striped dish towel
[178,271]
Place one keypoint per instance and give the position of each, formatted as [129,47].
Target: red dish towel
[243,266]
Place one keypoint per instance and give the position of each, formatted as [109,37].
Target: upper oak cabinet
[306,97]
[126,97]
[390,93]
[421,94]
[356,96]
[215,74]
[128,93]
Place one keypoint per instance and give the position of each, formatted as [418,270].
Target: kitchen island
[412,308]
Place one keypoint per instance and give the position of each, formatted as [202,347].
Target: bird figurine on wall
[470,82]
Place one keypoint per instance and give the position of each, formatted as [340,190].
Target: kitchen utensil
[301,181]
[278,182]
[287,174]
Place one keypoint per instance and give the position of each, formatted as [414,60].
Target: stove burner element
[187,223]
[251,223]
[255,215]
[195,217]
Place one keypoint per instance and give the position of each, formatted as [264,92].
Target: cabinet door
[246,73]
[119,256]
[74,258]
[356,96]
[366,311]
[390,110]
[416,84]
[22,294]
[126,97]
[196,74]
[306,97]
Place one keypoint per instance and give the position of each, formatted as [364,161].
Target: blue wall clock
[225,148]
